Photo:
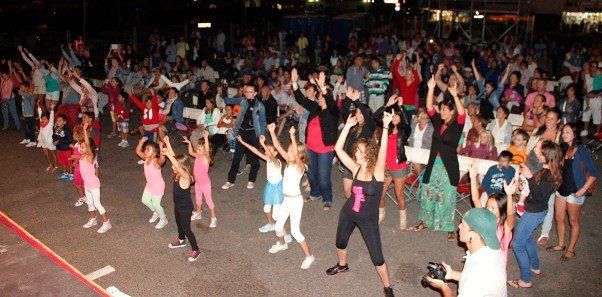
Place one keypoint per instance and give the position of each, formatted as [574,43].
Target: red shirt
[409,93]
[314,137]
[392,154]
[150,116]
[122,111]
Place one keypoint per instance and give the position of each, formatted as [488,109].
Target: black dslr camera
[436,271]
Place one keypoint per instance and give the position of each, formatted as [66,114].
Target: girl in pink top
[500,204]
[155,185]
[92,183]
[202,184]
[78,182]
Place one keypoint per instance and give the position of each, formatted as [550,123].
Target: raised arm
[253,149]
[475,71]
[339,147]
[191,151]
[301,167]
[430,95]
[25,57]
[139,151]
[443,86]
[474,184]
[510,189]
[277,145]
[379,169]
[459,106]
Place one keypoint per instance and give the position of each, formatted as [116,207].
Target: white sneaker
[583,133]
[307,262]
[227,185]
[80,201]
[140,162]
[154,218]
[91,222]
[24,141]
[213,223]
[278,247]
[31,144]
[104,228]
[250,185]
[125,144]
[266,228]
[196,216]
[162,223]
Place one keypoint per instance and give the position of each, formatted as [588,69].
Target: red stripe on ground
[51,254]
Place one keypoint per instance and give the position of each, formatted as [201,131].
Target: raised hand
[353,94]
[453,90]
[392,100]
[321,79]
[292,131]
[272,127]
[510,189]
[205,134]
[473,171]
[440,67]
[294,75]
[454,68]
[431,83]
[351,121]
[20,48]
[262,139]
[145,139]
[398,57]
[185,140]
[387,118]
[239,138]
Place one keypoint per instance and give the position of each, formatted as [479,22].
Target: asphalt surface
[234,256]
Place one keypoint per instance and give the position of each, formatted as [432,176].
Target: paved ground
[234,259]
[27,272]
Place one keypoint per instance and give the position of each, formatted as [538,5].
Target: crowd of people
[357,107]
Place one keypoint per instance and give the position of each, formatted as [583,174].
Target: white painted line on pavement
[100,272]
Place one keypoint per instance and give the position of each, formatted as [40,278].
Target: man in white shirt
[484,273]
[207,72]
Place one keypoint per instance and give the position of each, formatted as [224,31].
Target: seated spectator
[482,149]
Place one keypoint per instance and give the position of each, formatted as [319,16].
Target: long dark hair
[554,159]
[567,147]
[403,125]
[502,201]
[558,113]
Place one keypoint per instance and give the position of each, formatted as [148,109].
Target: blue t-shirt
[493,180]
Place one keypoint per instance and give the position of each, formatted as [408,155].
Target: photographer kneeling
[484,272]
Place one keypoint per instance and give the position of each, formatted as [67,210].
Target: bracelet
[387,128]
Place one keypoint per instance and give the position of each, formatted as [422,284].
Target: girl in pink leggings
[202,185]
[92,184]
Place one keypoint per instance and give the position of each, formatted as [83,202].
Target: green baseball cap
[483,222]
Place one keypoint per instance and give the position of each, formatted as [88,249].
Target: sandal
[556,248]
[418,228]
[567,255]
[517,284]
[451,236]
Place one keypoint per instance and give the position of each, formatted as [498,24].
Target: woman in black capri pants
[361,209]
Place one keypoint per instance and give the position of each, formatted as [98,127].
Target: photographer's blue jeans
[319,174]
[524,245]
[11,107]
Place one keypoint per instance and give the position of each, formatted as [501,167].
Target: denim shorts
[571,198]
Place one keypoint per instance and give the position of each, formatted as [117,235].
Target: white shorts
[54,96]
[47,144]
[594,112]
[39,90]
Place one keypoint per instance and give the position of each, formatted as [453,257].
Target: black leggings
[184,230]
[370,233]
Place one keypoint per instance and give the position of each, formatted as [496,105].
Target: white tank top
[291,181]
[273,172]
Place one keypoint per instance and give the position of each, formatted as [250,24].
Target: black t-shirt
[271,110]
[568,185]
[540,192]
[247,121]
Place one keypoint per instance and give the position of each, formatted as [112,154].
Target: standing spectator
[407,83]
[570,106]
[377,82]
[183,48]
[355,76]
[207,72]
[250,124]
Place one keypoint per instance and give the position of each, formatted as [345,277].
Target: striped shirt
[378,81]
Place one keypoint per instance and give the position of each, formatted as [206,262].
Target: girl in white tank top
[292,205]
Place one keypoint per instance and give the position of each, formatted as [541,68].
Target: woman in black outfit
[361,210]
[442,173]
[182,180]
[364,129]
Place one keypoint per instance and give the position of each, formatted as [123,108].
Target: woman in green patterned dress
[441,175]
